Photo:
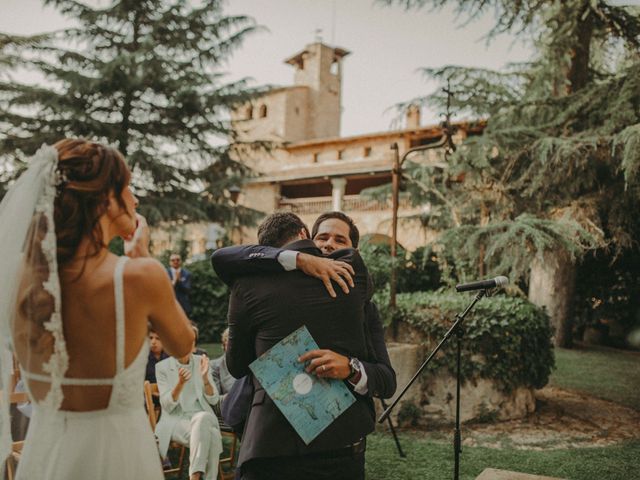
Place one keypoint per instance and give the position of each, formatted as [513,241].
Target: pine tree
[556,172]
[145,76]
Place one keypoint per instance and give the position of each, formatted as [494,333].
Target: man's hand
[184,376]
[137,245]
[204,373]
[327,364]
[326,270]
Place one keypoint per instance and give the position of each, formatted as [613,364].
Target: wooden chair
[16,447]
[228,461]
[151,389]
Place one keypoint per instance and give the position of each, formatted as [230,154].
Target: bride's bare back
[95,192]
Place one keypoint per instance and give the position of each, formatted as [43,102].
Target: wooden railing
[350,203]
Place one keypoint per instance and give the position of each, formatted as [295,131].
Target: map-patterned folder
[309,403]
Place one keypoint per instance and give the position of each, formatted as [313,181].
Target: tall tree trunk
[578,74]
[127,104]
[551,286]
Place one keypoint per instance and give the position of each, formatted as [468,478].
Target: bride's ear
[112,206]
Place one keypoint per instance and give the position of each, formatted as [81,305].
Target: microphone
[483,284]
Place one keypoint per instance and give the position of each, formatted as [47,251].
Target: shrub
[607,291]
[209,300]
[409,414]
[421,272]
[506,339]
[417,271]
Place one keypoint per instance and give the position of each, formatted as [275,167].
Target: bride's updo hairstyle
[90,172]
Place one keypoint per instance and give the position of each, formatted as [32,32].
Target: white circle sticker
[302,383]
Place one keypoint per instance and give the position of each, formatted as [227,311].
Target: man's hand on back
[326,270]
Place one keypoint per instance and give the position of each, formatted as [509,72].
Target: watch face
[354,363]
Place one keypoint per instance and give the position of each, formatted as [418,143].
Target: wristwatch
[355,368]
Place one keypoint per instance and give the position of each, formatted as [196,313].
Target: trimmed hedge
[506,339]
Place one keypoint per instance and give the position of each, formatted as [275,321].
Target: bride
[76,315]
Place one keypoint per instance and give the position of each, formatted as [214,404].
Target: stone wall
[431,400]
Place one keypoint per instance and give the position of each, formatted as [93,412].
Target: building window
[367,151]
[263,111]
[297,110]
[340,154]
[249,112]
[315,157]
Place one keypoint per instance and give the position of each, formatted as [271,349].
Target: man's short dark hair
[354,233]
[280,228]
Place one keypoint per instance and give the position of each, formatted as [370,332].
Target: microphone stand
[393,432]
[458,330]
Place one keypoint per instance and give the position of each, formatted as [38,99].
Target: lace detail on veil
[30,298]
[59,360]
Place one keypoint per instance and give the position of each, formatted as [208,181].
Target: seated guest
[196,350]
[219,371]
[156,354]
[187,394]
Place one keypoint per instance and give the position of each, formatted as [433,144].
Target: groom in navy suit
[332,456]
[331,231]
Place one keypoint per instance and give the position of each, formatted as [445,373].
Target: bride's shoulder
[145,270]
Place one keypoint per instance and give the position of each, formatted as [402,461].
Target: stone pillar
[339,185]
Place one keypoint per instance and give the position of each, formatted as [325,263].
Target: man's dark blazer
[231,263]
[264,309]
[182,289]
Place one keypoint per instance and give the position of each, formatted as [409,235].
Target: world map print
[309,403]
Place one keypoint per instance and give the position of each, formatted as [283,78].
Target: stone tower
[319,67]
[308,109]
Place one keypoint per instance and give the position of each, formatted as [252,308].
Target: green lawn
[430,460]
[603,372]
[213,349]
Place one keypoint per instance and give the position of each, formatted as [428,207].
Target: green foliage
[417,270]
[559,157]
[421,272]
[606,291]
[209,299]
[409,414]
[506,339]
[145,76]
[508,246]
[557,168]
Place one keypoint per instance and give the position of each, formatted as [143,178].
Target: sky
[388,47]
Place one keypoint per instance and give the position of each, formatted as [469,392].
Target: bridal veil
[30,321]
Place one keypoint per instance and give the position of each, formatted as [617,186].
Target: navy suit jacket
[182,289]
[231,263]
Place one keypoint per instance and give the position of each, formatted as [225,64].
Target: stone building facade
[311,169]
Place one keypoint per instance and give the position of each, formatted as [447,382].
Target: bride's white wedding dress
[111,444]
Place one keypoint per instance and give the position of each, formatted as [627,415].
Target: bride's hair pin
[60,180]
